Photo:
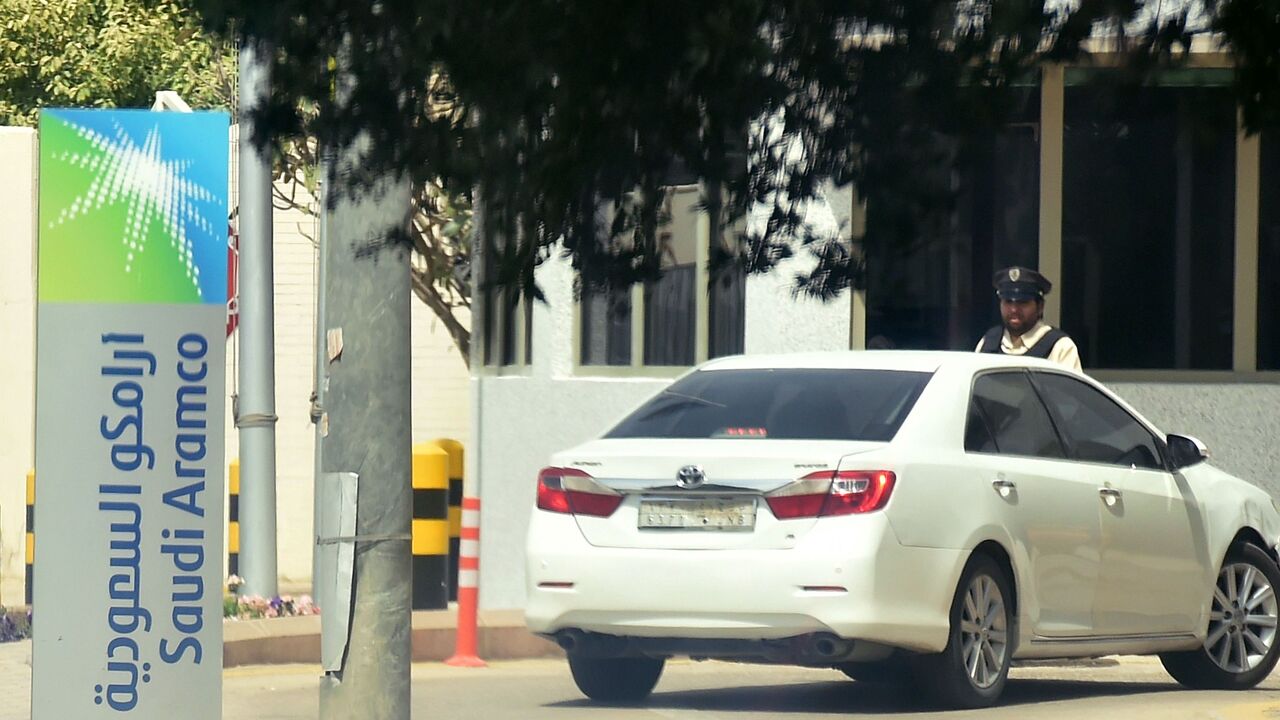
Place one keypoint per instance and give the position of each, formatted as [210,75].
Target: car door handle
[1003,485]
[1109,493]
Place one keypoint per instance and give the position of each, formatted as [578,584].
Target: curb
[278,641]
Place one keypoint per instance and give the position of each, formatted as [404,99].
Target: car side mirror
[1186,451]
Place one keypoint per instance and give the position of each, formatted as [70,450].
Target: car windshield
[788,403]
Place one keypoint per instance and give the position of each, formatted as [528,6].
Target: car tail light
[571,491]
[826,493]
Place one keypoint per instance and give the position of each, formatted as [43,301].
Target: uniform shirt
[1064,351]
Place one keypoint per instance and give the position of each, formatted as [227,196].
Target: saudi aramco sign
[132,286]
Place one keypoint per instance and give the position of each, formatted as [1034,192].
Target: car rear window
[780,404]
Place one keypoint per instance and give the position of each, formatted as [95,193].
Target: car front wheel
[1240,648]
[972,670]
[615,680]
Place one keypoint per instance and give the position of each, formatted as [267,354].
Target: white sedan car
[928,516]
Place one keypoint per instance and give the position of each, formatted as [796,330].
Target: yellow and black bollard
[454,448]
[430,527]
[233,518]
[31,533]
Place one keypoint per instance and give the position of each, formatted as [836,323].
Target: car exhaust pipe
[589,644]
[830,647]
[569,640]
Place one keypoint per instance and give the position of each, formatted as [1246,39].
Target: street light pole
[256,413]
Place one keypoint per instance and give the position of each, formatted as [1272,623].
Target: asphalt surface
[1127,688]
[1132,689]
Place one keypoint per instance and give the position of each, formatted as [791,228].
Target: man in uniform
[1023,330]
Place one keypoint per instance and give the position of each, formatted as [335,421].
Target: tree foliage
[118,53]
[106,53]
[558,108]
[439,233]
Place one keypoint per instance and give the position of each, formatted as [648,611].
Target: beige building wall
[17,350]
[440,405]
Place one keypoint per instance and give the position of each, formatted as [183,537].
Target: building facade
[1154,214]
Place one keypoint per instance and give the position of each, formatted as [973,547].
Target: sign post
[132,293]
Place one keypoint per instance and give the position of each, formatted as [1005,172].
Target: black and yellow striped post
[233,518]
[454,448]
[430,527]
[31,534]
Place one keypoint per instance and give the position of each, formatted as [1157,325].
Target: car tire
[615,680]
[982,634]
[1241,645]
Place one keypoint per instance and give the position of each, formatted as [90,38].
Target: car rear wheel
[972,670]
[1241,646]
[615,680]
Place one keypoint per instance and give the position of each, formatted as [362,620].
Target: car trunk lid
[700,494]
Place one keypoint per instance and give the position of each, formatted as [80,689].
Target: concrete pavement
[527,680]
[541,689]
[501,635]
[290,648]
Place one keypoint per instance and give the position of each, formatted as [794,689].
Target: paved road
[1131,689]
[1135,689]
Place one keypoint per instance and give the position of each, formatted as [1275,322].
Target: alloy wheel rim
[1242,622]
[984,633]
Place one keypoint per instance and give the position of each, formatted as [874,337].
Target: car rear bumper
[848,576]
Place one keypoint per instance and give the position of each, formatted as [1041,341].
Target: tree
[440,234]
[564,106]
[105,53]
[117,53]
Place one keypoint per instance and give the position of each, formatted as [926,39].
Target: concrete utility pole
[366,427]
[256,416]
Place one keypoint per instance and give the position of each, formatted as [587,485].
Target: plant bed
[15,624]
[236,606]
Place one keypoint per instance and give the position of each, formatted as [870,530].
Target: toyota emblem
[690,476]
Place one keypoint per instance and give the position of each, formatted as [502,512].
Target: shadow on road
[871,698]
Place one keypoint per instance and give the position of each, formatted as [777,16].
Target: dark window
[1148,224]
[1269,254]
[488,341]
[727,323]
[503,315]
[937,231]
[669,314]
[1095,428]
[606,327]
[1016,415]
[670,306]
[528,331]
[485,256]
[977,432]
[510,315]
[808,404]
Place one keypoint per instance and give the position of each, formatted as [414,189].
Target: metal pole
[466,649]
[367,417]
[256,416]
[317,402]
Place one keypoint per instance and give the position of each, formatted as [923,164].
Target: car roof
[903,360]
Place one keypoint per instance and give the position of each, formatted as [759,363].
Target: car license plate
[699,514]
